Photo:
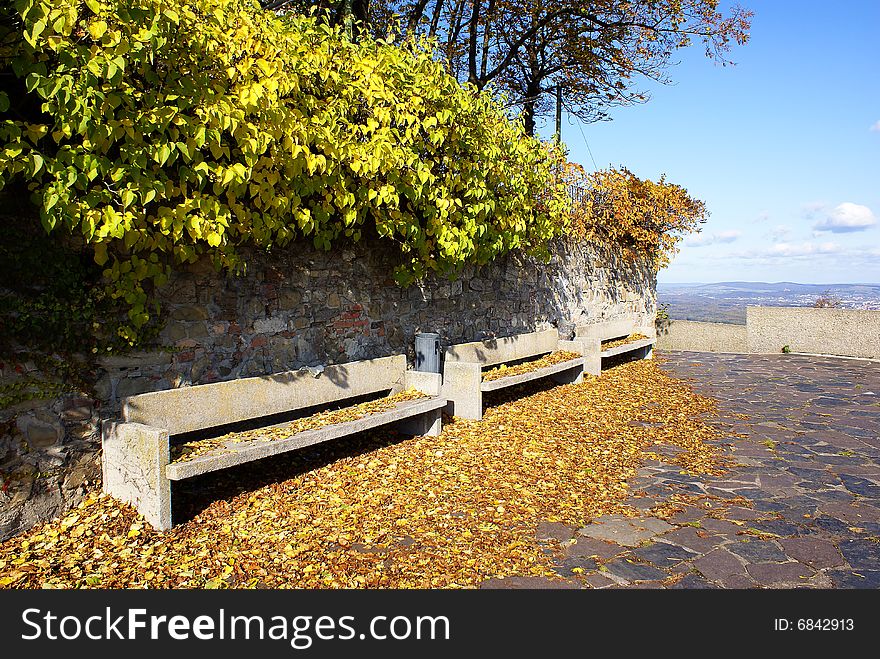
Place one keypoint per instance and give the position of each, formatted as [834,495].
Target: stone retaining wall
[297,307]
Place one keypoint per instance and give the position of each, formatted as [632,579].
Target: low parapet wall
[701,337]
[848,332]
[844,332]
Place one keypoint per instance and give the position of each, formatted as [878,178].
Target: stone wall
[308,307]
[846,332]
[298,307]
[701,337]
[842,332]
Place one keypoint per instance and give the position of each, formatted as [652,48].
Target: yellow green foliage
[647,219]
[174,129]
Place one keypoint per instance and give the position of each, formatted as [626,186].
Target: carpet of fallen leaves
[194,449]
[379,511]
[622,342]
[504,371]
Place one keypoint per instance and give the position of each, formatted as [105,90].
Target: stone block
[133,386]
[133,463]
[427,383]
[189,312]
[135,360]
[428,424]
[288,300]
[40,433]
[461,388]
[271,325]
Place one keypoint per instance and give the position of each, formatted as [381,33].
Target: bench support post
[591,349]
[428,424]
[461,387]
[133,464]
[571,376]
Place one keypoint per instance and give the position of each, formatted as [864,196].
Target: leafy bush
[161,131]
[647,219]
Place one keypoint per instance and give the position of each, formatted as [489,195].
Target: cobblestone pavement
[800,508]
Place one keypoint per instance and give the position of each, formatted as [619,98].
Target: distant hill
[726,302]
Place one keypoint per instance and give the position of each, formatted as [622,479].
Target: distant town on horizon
[726,302]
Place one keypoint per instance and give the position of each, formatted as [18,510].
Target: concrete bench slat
[628,347]
[511,380]
[609,329]
[209,405]
[503,349]
[235,453]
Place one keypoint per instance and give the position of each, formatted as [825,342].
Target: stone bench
[463,364]
[136,459]
[597,333]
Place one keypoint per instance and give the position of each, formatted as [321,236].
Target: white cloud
[779,233]
[875,127]
[845,218]
[814,209]
[761,217]
[802,249]
[702,239]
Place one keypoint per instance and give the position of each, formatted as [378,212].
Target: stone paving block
[625,569]
[855,579]
[592,547]
[758,551]
[718,565]
[831,526]
[693,539]
[641,503]
[778,527]
[861,554]
[739,581]
[851,512]
[662,554]
[722,526]
[626,531]
[743,514]
[598,581]
[574,566]
[861,486]
[814,552]
[774,574]
[692,581]
[688,514]
[554,531]
[768,506]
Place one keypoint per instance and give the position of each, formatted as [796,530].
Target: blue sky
[784,147]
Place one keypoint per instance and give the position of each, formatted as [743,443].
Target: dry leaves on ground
[622,342]
[194,449]
[379,511]
[504,371]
